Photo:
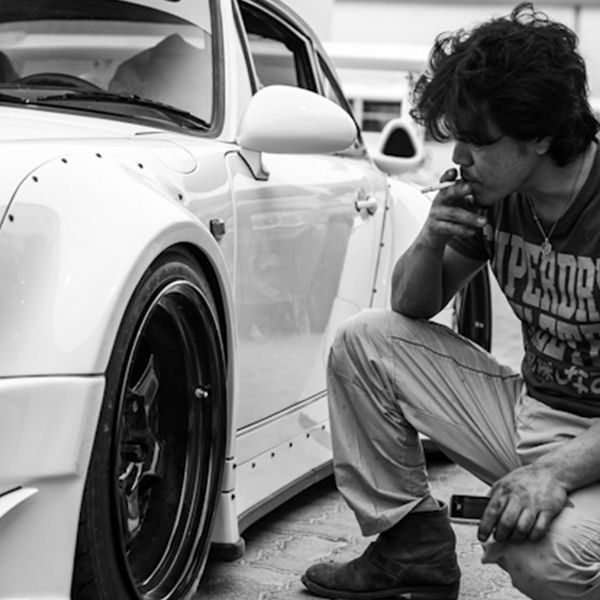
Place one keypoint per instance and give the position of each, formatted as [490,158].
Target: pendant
[546,247]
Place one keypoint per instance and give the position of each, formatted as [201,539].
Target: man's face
[497,167]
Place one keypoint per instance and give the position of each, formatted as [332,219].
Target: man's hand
[522,505]
[451,213]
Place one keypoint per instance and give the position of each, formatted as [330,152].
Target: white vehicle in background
[375,102]
[595,104]
[187,213]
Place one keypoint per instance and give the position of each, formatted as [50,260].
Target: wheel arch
[222,296]
[80,247]
[78,237]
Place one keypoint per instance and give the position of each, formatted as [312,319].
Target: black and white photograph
[299,299]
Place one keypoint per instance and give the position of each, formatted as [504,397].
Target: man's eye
[486,143]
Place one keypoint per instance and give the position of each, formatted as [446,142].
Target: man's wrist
[432,242]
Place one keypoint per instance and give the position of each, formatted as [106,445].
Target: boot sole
[449,592]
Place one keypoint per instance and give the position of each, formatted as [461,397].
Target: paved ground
[318,525]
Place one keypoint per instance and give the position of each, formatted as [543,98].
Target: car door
[307,236]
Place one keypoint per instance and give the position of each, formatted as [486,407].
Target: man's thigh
[390,377]
[457,394]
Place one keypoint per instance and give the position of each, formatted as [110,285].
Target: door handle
[369,204]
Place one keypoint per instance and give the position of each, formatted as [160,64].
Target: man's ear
[542,145]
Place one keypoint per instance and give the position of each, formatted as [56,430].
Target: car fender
[80,231]
[77,236]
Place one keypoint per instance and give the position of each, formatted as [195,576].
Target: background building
[419,21]
[387,38]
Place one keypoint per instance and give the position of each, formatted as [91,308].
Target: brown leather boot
[415,559]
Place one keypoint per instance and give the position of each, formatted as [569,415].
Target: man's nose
[461,155]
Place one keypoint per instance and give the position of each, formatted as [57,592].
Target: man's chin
[484,200]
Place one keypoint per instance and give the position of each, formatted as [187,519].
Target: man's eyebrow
[478,140]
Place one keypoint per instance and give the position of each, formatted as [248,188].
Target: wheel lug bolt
[200,393]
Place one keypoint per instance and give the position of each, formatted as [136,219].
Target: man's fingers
[457,215]
[540,527]
[449,175]
[449,215]
[458,195]
[523,527]
[512,524]
[489,519]
[454,194]
[507,521]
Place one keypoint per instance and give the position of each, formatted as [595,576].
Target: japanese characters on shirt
[556,296]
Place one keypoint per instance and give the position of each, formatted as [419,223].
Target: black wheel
[154,476]
[473,310]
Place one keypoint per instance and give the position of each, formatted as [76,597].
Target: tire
[154,476]
[473,310]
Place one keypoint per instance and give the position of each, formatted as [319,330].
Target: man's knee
[369,328]
[557,568]
[355,333]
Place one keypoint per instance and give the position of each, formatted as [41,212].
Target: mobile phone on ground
[467,507]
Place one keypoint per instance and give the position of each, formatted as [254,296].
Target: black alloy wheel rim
[166,448]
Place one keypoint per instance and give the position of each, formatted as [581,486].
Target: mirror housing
[400,148]
[288,120]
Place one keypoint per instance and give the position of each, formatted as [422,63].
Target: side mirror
[287,120]
[400,149]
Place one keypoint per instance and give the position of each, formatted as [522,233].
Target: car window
[96,49]
[330,86]
[279,54]
[332,90]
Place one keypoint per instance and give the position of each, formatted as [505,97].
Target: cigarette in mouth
[438,186]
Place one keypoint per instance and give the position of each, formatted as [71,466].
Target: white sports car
[187,212]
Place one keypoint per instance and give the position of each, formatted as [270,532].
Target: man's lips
[470,180]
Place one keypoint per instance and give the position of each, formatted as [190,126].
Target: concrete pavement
[317,525]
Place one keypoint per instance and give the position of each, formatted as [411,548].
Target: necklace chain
[547,244]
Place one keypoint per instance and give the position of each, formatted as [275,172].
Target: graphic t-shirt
[556,295]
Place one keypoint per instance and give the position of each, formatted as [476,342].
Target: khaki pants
[391,377]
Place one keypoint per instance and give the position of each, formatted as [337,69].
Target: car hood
[38,124]
[31,137]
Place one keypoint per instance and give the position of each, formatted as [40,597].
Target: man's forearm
[575,463]
[417,281]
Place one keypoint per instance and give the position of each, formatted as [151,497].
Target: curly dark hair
[522,73]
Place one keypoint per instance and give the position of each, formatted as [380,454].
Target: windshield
[104,55]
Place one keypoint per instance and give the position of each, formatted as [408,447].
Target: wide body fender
[79,233]
[77,236]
